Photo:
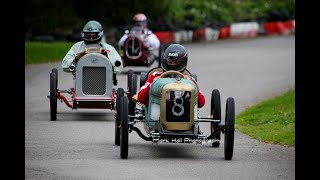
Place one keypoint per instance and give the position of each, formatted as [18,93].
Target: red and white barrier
[165,36]
[205,34]
[224,32]
[235,30]
[244,30]
[272,28]
[290,25]
[212,34]
[182,36]
[199,34]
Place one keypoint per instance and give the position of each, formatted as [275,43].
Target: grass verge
[271,121]
[45,52]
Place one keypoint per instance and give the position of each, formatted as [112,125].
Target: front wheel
[216,115]
[120,94]
[55,70]
[53,96]
[124,133]
[229,129]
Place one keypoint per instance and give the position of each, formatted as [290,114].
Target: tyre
[120,94]
[132,88]
[124,133]
[229,129]
[130,75]
[143,78]
[216,114]
[53,96]
[55,70]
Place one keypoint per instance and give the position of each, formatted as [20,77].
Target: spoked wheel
[124,133]
[132,88]
[229,129]
[120,94]
[216,113]
[53,96]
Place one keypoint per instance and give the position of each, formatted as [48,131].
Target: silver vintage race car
[94,76]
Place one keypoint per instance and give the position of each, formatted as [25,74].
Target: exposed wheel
[55,70]
[143,78]
[120,93]
[124,134]
[130,74]
[216,114]
[53,96]
[132,88]
[229,129]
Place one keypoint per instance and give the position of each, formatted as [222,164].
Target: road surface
[80,144]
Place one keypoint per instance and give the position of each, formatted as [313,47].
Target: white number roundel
[179,105]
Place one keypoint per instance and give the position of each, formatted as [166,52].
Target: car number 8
[178,105]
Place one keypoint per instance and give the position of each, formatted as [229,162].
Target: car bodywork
[134,52]
[94,80]
[171,115]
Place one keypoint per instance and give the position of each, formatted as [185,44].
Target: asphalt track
[80,144]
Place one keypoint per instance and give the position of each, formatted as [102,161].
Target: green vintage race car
[171,115]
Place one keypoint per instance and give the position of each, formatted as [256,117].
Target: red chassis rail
[103,103]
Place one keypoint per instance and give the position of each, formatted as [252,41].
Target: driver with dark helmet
[91,34]
[174,58]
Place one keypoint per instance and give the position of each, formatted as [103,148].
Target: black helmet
[92,32]
[175,57]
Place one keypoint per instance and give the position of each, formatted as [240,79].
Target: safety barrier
[234,30]
[165,36]
[182,36]
[244,30]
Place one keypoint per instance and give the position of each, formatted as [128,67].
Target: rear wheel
[132,88]
[120,94]
[53,96]
[124,133]
[229,129]
[216,114]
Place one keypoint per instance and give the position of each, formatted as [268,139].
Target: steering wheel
[171,73]
[93,49]
[177,73]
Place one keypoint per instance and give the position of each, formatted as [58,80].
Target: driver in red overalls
[175,58]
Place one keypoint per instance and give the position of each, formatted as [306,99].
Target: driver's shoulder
[105,45]
[186,72]
[79,44]
[157,73]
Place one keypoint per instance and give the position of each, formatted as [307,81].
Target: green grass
[271,121]
[44,52]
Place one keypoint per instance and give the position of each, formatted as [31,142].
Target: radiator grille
[133,47]
[94,80]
